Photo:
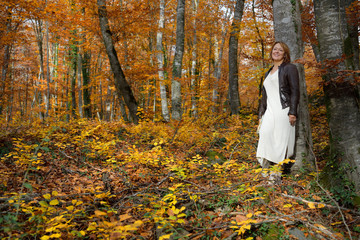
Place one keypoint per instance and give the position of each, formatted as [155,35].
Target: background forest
[136,119]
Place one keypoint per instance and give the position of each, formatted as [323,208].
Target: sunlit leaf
[54,202]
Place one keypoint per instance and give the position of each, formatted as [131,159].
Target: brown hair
[286,51]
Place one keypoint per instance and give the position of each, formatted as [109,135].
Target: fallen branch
[326,205]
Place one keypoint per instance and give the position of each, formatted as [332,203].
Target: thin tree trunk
[79,83]
[122,86]
[74,69]
[234,97]
[177,65]
[195,4]
[287,26]
[339,88]
[37,25]
[48,76]
[86,84]
[160,59]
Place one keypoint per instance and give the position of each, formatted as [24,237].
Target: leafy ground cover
[194,179]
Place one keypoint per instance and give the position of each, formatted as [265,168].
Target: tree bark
[177,65]
[195,4]
[218,61]
[340,89]
[160,60]
[48,76]
[85,64]
[122,87]
[74,69]
[234,97]
[6,61]
[287,26]
[37,25]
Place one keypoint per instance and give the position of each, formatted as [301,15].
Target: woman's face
[277,53]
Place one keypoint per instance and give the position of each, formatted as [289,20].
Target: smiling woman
[278,110]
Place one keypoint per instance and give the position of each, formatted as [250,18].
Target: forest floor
[193,179]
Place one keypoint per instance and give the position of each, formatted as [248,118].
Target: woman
[278,110]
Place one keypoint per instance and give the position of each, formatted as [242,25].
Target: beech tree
[177,65]
[160,59]
[122,86]
[287,27]
[340,87]
[234,97]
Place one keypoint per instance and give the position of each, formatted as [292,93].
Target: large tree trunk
[218,60]
[160,59]
[234,97]
[177,65]
[287,26]
[122,86]
[340,89]
[5,65]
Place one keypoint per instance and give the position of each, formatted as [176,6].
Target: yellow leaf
[45,237]
[54,202]
[319,226]
[249,215]
[55,235]
[336,223]
[47,196]
[55,193]
[100,213]
[287,206]
[165,236]
[70,208]
[247,227]
[124,217]
[320,205]
[311,205]
[39,154]
[82,233]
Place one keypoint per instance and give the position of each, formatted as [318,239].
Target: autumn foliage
[73,166]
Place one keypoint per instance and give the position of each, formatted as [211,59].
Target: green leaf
[28,186]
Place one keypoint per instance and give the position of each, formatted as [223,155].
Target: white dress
[276,135]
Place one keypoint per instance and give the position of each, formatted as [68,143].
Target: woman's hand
[292,119]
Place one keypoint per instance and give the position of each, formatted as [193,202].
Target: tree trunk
[74,69]
[79,83]
[234,97]
[48,76]
[122,87]
[160,59]
[6,61]
[177,65]
[218,61]
[287,26]
[195,4]
[37,25]
[86,84]
[339,88]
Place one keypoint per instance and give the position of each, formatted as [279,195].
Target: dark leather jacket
[288,89]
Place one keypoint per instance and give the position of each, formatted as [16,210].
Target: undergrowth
[193,179]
